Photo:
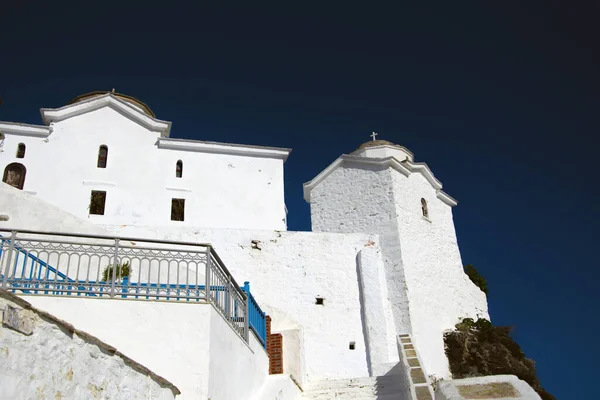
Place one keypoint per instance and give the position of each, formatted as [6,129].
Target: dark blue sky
[501,101]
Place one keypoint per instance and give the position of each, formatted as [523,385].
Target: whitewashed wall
[170,339]
[286,274]
[378,320]
[279,387]
[294,359]
[427,286]
[25,211]
[236,370]
[440,293]
[233,191]
[50,363]
[188,344]
[362,200]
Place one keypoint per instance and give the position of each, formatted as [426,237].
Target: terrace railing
[257,319]
[95,266]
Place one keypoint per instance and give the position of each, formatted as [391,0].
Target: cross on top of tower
[373,135]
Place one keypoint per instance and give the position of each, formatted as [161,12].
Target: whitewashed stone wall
[427,287]
[440,293]
[362,200]
[52,360]
[221,190]
[287,271]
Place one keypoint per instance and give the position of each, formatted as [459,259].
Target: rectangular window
[177,209]
[97,202]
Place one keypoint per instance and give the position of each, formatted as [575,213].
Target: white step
[372,388]
[355,382]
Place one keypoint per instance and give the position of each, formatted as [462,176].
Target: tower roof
[391,148]
[372,143]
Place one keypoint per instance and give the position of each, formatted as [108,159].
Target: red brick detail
[274,350]
[276,354]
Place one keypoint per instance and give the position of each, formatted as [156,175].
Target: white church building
[357,307]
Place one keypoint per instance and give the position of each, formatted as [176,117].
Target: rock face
[45,358]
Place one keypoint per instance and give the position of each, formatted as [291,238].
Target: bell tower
[380,189]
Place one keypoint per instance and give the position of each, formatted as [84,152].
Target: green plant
[483,325]
[476,278]
[121,271]
[435,381]
[465,324]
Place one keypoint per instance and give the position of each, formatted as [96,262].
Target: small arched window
[179,169]
[21,150]
[14,175]
[102,156]
[424,208]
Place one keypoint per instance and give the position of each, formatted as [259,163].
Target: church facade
[107,158]
[382,261]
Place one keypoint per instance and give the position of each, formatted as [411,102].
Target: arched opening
[424,208]
[179,169]
[21,150]
[102,156]
[14,175]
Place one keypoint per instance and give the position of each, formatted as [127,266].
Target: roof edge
[16,128]
[363,148]
[97,93]
[50,115]
[404,167]
[446,198]
[224,148]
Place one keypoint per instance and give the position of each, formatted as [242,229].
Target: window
[97,202]
[424,208]
[21,150]
[14,175]
[179,169]
[177,209]
[102,156]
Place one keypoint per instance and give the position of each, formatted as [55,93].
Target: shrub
[465,324]
[121,271]
[476,278]
[477,348]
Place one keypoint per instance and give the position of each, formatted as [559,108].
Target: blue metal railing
[256,317]
[38,277]
[33,259]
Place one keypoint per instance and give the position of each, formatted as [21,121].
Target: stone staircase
[405,381]
[391,387]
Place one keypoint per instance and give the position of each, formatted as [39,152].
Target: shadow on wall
[395,383]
